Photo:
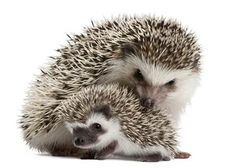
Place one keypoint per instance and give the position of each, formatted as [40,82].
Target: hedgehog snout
[147,102]
[79,141]
[83,137]
[152,96]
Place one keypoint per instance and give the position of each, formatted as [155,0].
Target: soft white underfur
[60,136]
[113,133]
[187,80]
[176,101]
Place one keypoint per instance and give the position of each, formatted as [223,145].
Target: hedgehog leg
[90,154]
[182,155]
[66,151]
[105,152]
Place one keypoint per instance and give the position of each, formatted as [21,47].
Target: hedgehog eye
[97,126]
[170,83]
[138,75]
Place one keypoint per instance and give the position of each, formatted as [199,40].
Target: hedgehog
[156,57]
[142,133]
[104,136]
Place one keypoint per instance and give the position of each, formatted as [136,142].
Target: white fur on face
[111,126]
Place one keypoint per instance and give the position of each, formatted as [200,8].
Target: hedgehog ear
[128,49]
[105,110]
[69,126]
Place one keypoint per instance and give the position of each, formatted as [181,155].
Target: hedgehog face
[97,132]
[156,85]
[86,137]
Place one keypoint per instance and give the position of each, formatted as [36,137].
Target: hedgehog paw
[182,155]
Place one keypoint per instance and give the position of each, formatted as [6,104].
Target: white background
[30,31]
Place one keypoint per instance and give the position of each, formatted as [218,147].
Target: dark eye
[97,126]
[138,75]
[170,83]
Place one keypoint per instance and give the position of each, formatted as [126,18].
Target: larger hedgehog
[157,58]
[145,133]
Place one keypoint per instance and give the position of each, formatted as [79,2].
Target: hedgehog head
[99,129]
[161,62]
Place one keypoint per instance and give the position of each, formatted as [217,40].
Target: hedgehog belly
[129,148]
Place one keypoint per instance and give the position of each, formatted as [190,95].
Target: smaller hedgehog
[102,135]
[109,119]
[144,131]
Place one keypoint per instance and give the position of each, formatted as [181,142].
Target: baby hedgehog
[104,136]
[156,57]
[110,120]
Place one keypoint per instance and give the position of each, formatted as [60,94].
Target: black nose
[147,102]
[79,141]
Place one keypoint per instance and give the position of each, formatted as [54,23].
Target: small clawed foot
[182,155]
